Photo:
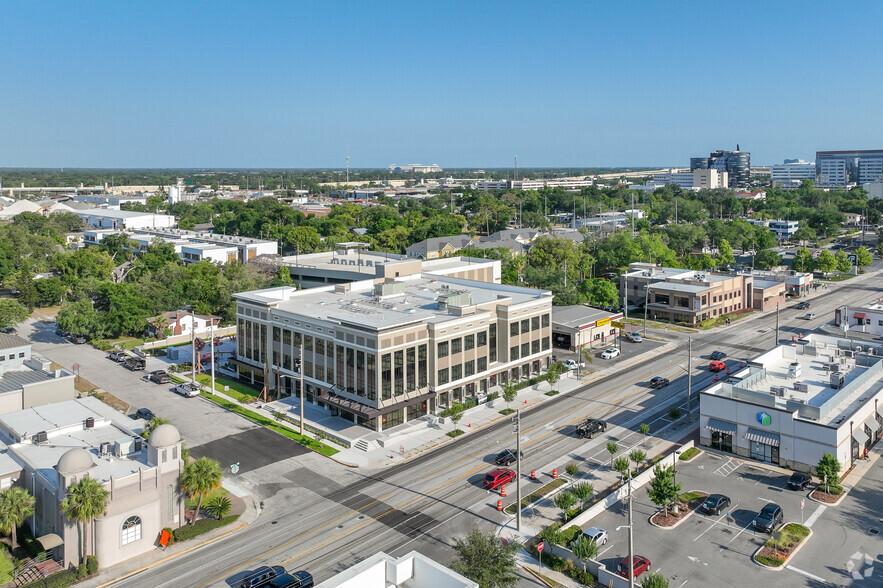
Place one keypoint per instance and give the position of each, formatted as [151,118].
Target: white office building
[700,179]
[792,172]
[795,402]
[103,218]
[412,570]
[839,169]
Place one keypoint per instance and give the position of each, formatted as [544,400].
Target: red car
[641,564]
[717,366]
[497,478]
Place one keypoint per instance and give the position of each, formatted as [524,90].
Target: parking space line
[815,515]
[600,553]
[739,533]
[682,585]
[807,574]
[719,519]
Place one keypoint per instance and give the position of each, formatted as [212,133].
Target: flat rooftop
[806,388]
[417,302]
[64,424]
[577,316]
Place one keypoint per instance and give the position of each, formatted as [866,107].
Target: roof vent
[90,423]
[41,437]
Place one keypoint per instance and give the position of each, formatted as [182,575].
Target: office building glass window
[443,349]
[482,364]
[535,346]
[513,329]
[482,338]
[545,343]
[722,441]
[386,375]
[546,320]
[492,342]
[372,376]
[350,370]
[360,373]
[443,377]
[340,368]
[399,365]
[525,326]
[411,368]
[456,372]
[513,353]
[470,368]
[277,334]
[131,531]
[525,349]
[534,323]
[456,345]
[468,342]
[422,370]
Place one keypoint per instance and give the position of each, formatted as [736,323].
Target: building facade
[792,172]
[382,352]
[578,326]
[737,165]
[862,319]
[795,402]
[838,169]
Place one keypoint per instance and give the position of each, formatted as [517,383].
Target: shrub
[92,565]
[61,579]
[26,540]
[689,454]
[201,526]
[567,536]
[674,412]
[572,469]
[81,571]
[171,535]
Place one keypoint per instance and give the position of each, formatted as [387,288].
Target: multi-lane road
[325,517]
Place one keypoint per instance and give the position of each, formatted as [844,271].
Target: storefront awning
[721,426]
[873,424]
[50,541]
[764,437]
[860,315]
[859,435]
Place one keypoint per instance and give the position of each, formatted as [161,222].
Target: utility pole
[193,348]
[301,370]
[689,376]
[633,214]
[646,300]
[565,273]
[518,469]
[212,335]
[776,340]
[631,539]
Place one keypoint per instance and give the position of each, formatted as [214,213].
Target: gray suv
[768,518]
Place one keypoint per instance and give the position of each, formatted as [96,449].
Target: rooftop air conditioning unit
[104,448]
[90,423]
[41,437]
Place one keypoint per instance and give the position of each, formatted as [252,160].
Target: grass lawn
[789,536]
[83,385]
[688,455]
[191,502]
[111,400]
[238,390]
[273,425]
[5,569]
[537,494]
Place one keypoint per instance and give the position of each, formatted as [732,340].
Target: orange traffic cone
[499,505]
[555,474]
[533,474]
[503,491]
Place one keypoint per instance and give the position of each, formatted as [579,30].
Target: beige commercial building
[384,351]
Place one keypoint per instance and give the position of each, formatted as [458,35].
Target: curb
[537,576]
[835,503]
[790,555]
[677,524]
[173,556]
[695,455]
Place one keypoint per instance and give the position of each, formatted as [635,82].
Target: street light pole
[631,539]
[301,370]
[646,301]
[518,469]
[689,376]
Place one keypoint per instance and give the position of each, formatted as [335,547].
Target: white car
[188,389]
[572,365]
[596,534]
[610,353]
[633,336]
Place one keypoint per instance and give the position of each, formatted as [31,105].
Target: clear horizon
[279,85]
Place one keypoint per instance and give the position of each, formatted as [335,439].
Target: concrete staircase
[365,445]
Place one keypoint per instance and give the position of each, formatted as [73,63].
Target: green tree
[565,501]
[826,262]
[304,239]
[767,258]
[84,501]
[637,457]
[583,491]
[842,262]
[27,291]
[199,479]
[484,559]
[584,548]
[455,418]
[804,233]
[863,257]
[654,581]
[803,261]
[16,505]
[621,465]
[12,312]
[644,429]
[152,425]
[600,292]
[509,393]
[50,291]
[612,448]
[663,491]
[830,467]
[80,318]
[553,374]
[218,507]
[725,254]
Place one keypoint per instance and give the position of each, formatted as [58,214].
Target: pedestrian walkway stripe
[815,515]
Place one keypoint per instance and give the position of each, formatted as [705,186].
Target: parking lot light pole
[631,538]
[689,377]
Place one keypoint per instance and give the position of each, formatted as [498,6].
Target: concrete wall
[58,389]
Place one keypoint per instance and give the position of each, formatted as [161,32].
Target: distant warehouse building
[125,219]
[795,402]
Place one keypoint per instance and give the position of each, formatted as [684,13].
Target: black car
[118,356]
[802,305]
[144,413]
[135,363]
[160,377]
[768,518]
[715,504]
[659,382]
[589,427]
[506,457]
[799,481]
[298,579]
[718,355]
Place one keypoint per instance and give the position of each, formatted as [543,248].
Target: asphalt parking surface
[710,550]
[251,449]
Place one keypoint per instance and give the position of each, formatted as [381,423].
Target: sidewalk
[370,449]
[148,560]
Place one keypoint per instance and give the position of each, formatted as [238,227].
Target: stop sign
[540,547]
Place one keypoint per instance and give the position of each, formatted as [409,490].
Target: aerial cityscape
[494,295]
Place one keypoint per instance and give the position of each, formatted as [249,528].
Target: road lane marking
[807,574]
[815,515]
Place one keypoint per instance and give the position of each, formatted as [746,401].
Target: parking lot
[716,550]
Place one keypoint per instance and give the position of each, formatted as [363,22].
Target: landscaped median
[537,494]
[687,504]
[774,554]
[271,424]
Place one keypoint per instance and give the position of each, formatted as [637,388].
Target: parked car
[61,332]
[118,356]
[496,478]
[587,428]
[715,504]
[188,389]
[136,364]
[261,576]
[298,579]
[659,382]
[716,366]
[610,353]
[718,355]
[506,457]
[78,339]
[160,377]
[144,413]
[572,364]
[640,564]
[768,518]
[803,305]
[809,316]
[609,276]
[633,336]
[596,534]
[799,481]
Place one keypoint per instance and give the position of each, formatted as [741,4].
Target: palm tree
[84,501]
[16,505]
[218,506]
[201,478]
[153,424]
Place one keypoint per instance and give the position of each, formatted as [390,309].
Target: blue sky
[469,84]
